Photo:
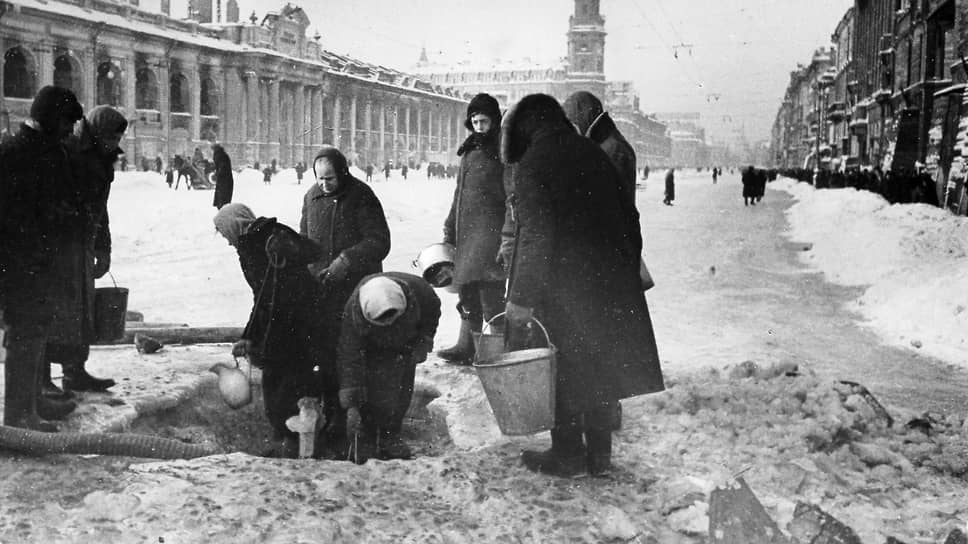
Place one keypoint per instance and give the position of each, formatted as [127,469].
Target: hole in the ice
[205,419]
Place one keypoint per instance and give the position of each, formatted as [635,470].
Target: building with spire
[582,69]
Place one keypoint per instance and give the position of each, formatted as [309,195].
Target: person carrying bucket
[93,150]
[576,267]
[476,227]
[388,328]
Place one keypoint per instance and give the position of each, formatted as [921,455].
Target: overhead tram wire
[697,81]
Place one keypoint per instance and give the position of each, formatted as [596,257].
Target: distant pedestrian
[169,177]
[645,172]
[124,163]
[403,172]
[715,175]
[386,171]
[224,184]
[267,175]
[670,187]
[369,173]
[749,186]
[157,165]
[300,170]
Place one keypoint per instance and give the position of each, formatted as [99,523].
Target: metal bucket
[520,387]
[110,306]
[487,343]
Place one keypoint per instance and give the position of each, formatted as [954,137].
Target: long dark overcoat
[477,213]
[604,132]
[285,324]
[41,219]
[93,174]
[577,266]
[224,184]
[749,182]
[350,222]
[670,184]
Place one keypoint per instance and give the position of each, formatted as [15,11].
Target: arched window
[108,84]
[209,98]
[145,90]
[17,79]
[64,75]
[178,89]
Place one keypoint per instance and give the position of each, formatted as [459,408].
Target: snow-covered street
[737,289]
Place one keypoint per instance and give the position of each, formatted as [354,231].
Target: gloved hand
[505,253]
[337,271]
[242,348]
[102,263]
[518,319]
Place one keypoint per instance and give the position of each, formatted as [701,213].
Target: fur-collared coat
[477,213]
[575,262]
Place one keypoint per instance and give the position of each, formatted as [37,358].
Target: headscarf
[106,121]
[525,121]
[382,300]
[232,220]
[583,109]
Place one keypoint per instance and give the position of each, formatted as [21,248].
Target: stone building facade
[581,70]
[261,88]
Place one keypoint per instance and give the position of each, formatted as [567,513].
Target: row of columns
[316,118]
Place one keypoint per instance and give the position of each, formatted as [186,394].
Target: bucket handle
[112,279]
[487,325]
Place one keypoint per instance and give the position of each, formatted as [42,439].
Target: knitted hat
[232,220]
[53,104]
[382,300]
[485,104]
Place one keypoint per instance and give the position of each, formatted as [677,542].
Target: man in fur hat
[40,207]
[388,328]
[476,226]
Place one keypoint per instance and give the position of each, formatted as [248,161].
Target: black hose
[125,444]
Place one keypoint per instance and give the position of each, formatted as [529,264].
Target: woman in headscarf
[93,150]
[576,267]
[475,226]
[284,326]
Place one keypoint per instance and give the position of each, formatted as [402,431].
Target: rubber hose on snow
[125,444]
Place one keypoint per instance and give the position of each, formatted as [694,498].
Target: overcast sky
[734,73]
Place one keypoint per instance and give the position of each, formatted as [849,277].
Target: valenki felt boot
[21,369]
[565,459]
[463,351]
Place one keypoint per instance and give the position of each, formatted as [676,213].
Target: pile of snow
[912,257]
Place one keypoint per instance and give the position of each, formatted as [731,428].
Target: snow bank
[911,257]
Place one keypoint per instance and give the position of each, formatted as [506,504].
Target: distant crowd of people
[897,187]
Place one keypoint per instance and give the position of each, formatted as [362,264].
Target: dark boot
[49,389]
[24,357]
[461,353]
[392,446]
[565,459]
[54,409]
[599,455]
[76,378]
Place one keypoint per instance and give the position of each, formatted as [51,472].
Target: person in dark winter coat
[93,150]
[224,184]
[344,216]
[300,170]
[475,226]
[403,172]
[389,324]
[267,175]
[585,111]
[369,173]
[41,214]
[749,186]
[670,187]
[576,268]
[281,336]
